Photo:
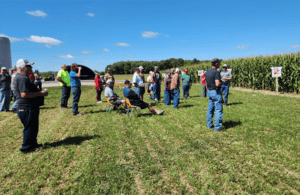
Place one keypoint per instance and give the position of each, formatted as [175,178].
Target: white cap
[225,65]
[150,72]
[177,70]
[109,81]
[23,62]
[141,67]
[3,68]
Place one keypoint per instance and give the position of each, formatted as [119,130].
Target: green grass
[127,77]
[170,154]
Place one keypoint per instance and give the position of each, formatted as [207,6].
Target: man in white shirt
[139,85]
[149,85]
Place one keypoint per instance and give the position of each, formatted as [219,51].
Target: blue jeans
[4,100]
[167,97]
[225,89]
[30,120]
[214,105]
[176,97]
[76,92]
[186,90]
[65,94]
[138,91]
[156,90]
[204,92]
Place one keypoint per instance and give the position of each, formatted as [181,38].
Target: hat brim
[29,63]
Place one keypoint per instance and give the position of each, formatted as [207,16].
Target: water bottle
[45,89]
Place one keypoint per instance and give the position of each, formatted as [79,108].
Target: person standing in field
[143,78]
[5,81]
[226,78]
[175,88]
[38,79]
[167,88]
[214,83]
[149,84]
[29,99]
[98,87]
[185,81]
[65,85]
[139,85]
[109,76]
[204,89]
[75,87]
[13,88]
[156,80]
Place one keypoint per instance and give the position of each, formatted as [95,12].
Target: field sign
[164,75]
[200,72]
[276,71]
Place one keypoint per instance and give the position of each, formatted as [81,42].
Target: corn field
[255,72]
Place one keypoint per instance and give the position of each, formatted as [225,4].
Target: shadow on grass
[94,112]
[144,114]
[186,106]
[234,103]
[47,107]
[230,124]
[86,106]
[77,140]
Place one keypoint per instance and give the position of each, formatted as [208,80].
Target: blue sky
[99,33]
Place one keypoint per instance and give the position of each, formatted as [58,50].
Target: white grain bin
[5,54]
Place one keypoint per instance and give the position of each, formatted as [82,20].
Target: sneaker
[99,102]
[79,114]
[160,101]
[153,102]
[64,108]
[188,97]
[155,99]
[161,112]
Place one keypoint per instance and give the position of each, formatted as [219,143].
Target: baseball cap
[108,68]
[225,65]
[156,67]
[168,72]
[137,68]
[23,62]
[150,72]
[3,68]
[109,81]
[177,70]
[215,60]
[127,82]
[141,67]
[185,70]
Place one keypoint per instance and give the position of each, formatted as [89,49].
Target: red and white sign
[200,72]
[276,71]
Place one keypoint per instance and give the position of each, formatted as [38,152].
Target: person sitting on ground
[112,97]
[135,99]
[99,87]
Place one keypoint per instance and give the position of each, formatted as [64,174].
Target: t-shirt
[75,81]
[211,75]
[109,77]
[126,90]
[149,78]
[65,77]
[5,81]
[226,74]
[98,83]
[12,86]
[137,79]
[108,92]
[186,79]
[37,80]
[156,77]
[203,82]
[24,84]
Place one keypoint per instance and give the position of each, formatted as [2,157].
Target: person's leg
[124,104]
[35,124]
[203,88]
[183,91]
[137,90]
[64,100]
[219,111]
[68,90]
[7,100]
[210,109]
[222,90]
[158,92]
[40,85]
[153,91]
[142,93]
[2,101]
[188,91]
[226,92]
[166,97]
[100,94]
[97,95]
[76,97]
[176,93]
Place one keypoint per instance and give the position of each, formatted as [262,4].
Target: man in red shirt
[204,90]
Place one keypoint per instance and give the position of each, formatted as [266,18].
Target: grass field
[124,77]
[170,154]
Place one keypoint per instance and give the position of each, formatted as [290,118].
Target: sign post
[276,72]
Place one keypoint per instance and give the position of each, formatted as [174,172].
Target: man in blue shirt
[75,87]
[213,82]
[5,81]
[135,99]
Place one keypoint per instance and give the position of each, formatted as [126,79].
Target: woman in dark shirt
[167,88]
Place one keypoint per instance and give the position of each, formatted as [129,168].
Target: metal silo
[5,54]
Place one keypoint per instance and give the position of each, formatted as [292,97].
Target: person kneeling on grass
[112,97]
[135,99]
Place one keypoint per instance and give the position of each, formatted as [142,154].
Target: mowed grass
[124,77]
[171,154]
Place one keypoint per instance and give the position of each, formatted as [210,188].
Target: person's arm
[230,77]
[33,94]
[218,81]
[152,78]
[79,72]
[181,80]
[60,80]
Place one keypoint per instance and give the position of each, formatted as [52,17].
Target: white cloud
[295,46]
[12,39]
[65,56]
[243,46]
[37,13]
[85,52]
[48,41]
[85,60]
[129,54]
[149,34]
[107,50]
[90,14]
[122,44]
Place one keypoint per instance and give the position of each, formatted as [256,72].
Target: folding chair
[132,108]
[110,106]
[118,85]
[149,93]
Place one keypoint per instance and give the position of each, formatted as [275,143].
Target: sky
[97,33]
